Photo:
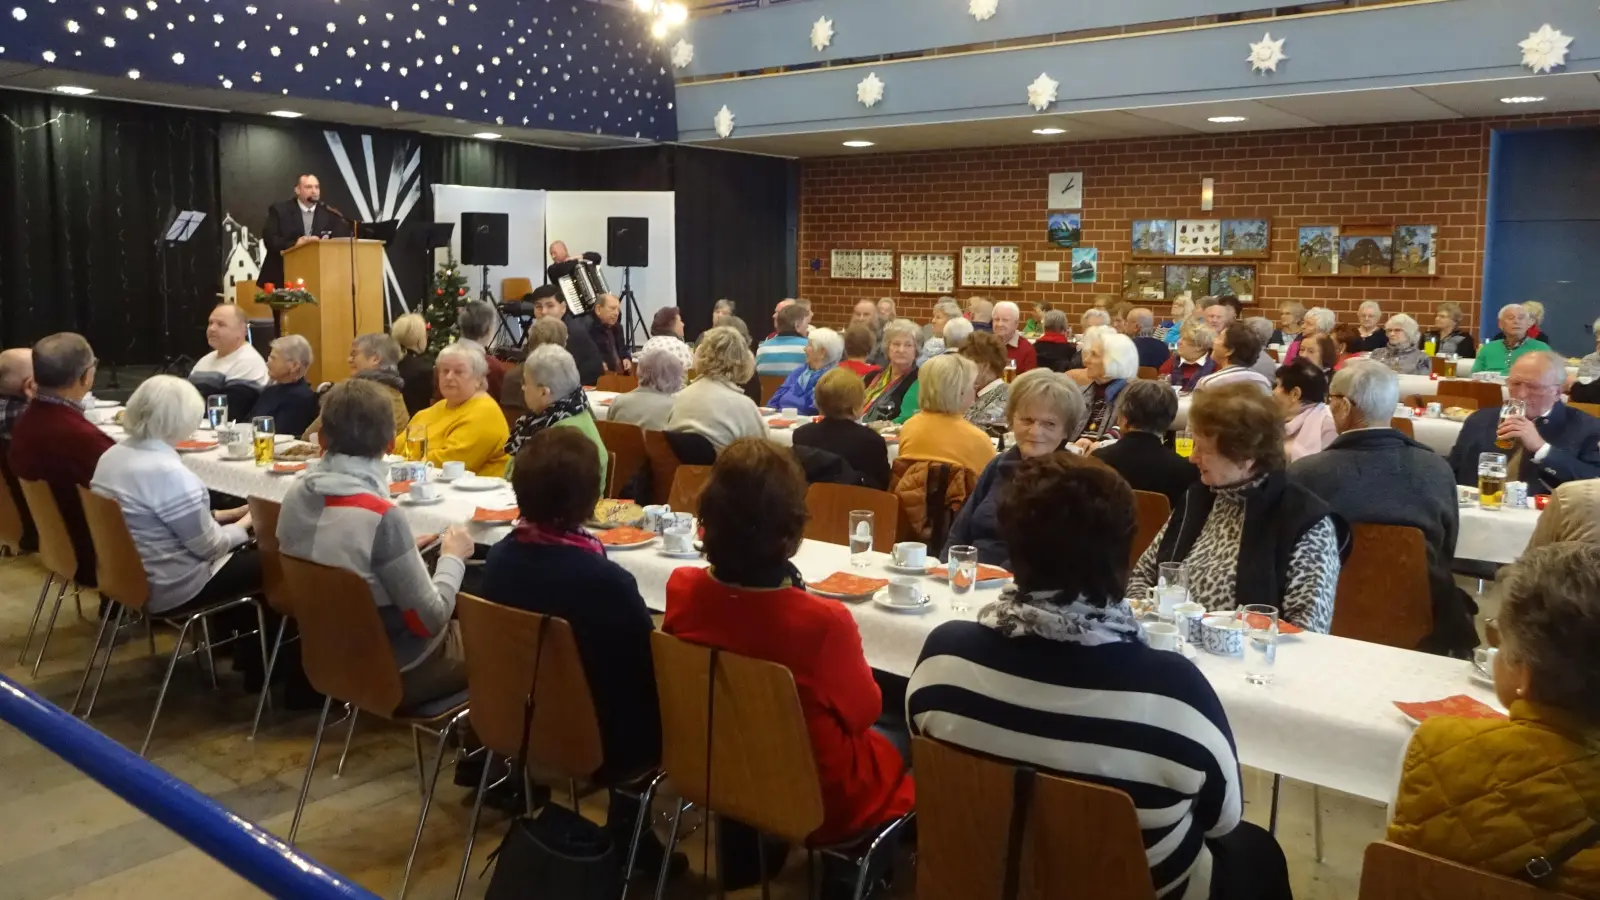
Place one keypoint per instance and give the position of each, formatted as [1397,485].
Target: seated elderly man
[981,313]
[1054,350]
[1140,325]
[1498,355]
[1552,444]
[616,346]
[233,367]
[786,351]
[289,400]
[1369,465]
[1019,350]
[16,386]
[1219,316]
[375,358]
[956,332]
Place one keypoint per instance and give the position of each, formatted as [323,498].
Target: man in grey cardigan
[1372,473]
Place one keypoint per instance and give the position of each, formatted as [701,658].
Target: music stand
[180,227]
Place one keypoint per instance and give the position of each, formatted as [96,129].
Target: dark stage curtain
[90,185]
[476,163]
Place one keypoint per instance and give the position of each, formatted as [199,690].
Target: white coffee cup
[791,412]
[1187,617]
[423,490]
[906,591]
[652,517]
[677,530]
[239,450]
[454,468]
[910,555]
[1163,636]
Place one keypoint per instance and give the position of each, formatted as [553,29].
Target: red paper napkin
[850,585]
[780,422]
[1459,705]
[985,573]
[288,466]
[195,445]
[1257,620]
[399,487]
[495,515]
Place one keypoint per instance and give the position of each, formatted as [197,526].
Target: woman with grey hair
[1448,336]
[288,399]
[1092,318]
[374,357]
[476,321]
[1291,319]
[932,334]
[1402,353]
[554,397]
[467,425]
[1054,350]
[892,393]
[1369,329]
[824,349]
[649,405]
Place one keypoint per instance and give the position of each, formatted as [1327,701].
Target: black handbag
[555,853]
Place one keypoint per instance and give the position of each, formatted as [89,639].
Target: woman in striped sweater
[1057,674]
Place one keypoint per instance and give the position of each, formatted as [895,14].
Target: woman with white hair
[892,393]
[939,431]
[1110,362]
[1314,322]
[824,349]
[1093,318]
[1369,327]
[715,405]
[554,397]
[467,425]
[1402,353]
[288,399]
[1182,310]
[944,312]
[661,376]
[1291,322]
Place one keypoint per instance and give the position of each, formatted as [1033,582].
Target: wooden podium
[330,326]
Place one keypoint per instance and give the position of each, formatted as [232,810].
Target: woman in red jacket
[752,602]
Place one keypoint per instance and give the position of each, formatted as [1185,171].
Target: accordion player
[581,284]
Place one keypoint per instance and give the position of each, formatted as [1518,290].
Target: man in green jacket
[1497,356]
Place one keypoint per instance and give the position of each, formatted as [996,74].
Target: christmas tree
[445,298]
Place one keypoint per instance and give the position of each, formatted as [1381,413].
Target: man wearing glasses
[1551,443]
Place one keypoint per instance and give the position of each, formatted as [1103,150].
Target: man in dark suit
[294,223]
[1147,411]
[1551,445]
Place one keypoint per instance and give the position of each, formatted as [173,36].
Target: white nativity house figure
[245,256]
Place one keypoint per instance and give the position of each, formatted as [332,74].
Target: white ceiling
[1562,93]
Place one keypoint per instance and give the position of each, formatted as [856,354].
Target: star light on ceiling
[982,10]
[1544,49]
[682,53]
[870,90]
[821,34]
[1266,53]
[1042,92]
[723,122]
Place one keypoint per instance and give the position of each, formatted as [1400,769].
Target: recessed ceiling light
[487,136]
[1049,131]
[1521,99]
[1226,120]
[858,143]
[285,114]
[73,89]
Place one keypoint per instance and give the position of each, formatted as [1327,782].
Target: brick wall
[936,201]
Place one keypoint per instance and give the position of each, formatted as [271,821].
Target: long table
[600,406]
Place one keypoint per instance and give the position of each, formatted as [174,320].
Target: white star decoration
[682,53]
[724,122]
[1042,92]
[982,9]
[870,90]
[1266,53]
[1545,49]
[821,34]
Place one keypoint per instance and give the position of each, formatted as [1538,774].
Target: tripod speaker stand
[631,316]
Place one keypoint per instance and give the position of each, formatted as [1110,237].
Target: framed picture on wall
[1152,237]
[1065,229]
[877,265]
[1246,237]
[1190,282]
[1366,254]
[1234,281]
[846,264]
[1144,282]
[1318,250]
[1199,237]
[1414,250]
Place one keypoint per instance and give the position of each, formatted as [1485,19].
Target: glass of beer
[1512,407]
[1491,480]
[1184,444]
[1450,360]
[1010,371]
[416,449]
[266,436]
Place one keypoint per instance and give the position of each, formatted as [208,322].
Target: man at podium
[297,221]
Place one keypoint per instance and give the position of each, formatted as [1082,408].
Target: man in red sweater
[1007,318]
[54,443]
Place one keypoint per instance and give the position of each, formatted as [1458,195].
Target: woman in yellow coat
[1497,794]
[467,425]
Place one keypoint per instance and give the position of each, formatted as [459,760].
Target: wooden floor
[63,836]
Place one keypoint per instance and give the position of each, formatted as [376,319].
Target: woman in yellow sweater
[939,431]
[467,425]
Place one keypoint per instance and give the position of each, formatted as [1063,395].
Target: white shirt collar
[304,208]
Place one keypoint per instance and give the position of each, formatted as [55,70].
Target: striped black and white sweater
[1143,721]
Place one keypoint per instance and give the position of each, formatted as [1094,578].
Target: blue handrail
[246,848]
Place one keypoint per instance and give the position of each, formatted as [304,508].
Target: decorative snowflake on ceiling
[724,122]
[1545,49]
[870,90]
[1042,92]
[982,9]
[1266,53]
[821,34]
[682,53]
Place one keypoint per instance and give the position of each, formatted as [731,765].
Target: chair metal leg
[51,627]
[472,826]
[77,599]
[672,840]
[161,695]
[416,749]
[1272,822]
[878,842]
[33,624]
[266,679]
[572,792]
[645,800]
[150,632]
[761,862]
[88,667]
[311,763]
[722,880]
[211,661]
[1316,820]
[427,798]
[350,732]
[111,647]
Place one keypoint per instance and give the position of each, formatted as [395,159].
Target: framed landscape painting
[1245,237]
[1193,282]
[1365,254]
[1319,250]
[1234,281]
[1414,250]
[1066,229]
[1152,237]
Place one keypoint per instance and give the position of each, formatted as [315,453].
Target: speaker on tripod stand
[628,245]
[485,242]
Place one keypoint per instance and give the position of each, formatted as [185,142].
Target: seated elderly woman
[752,601]
[1110,364]
[1061,655]
[544,330]
[892,393]
[988,353]
[1091,338]
[1301,393]
[1291,322]
[649,405]
[1093,318]
[666,333]
[956,332]
[938,432]
[1043,410]
[1235,351]
[1192,360]
[289,400]
[467,425]
[840,397]
[1403,354]
[1505,794]
[1321,352]
[1448,336]
[1369,331]
[410,331]
[1144,415]
[944,312]
[1054,350]
[714,405]
[1345,337]
[824,347]
[1317,322]
[1285,553]
[860,342]
[374,357]
[339,515]
[554,398]
[1170,329]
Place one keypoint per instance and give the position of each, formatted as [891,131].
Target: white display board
[579,219]
[525,210]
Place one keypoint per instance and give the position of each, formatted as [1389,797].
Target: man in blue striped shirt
[785,351]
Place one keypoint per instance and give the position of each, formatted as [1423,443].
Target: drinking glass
[1491,480]
[266,431]
[1184,445]
[217,411]
[861,537]
[1172,589]
[416,449]
[962,567]
[1512,407]
[1261,642]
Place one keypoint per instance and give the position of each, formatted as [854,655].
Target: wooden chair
[515,290]
[564,735]
[769,386]
[1403,426]
[120,574]
[1392,872]
[12,523]
[762,770]
[1487,393]
[1149,373]
[626,442]
[1384,596]
[1075,833]
[830,506]
[1152,511]
[617,384]
[347,656]
[264,515]
[1592,409]
[60,560]
[687,485]
[663,466]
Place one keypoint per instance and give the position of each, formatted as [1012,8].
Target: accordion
[582,286]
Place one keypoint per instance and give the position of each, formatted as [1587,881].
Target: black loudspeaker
[627,242]
[485,239]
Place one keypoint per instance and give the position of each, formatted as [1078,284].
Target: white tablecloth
[1498,537]
[1439,435]
[784,436]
